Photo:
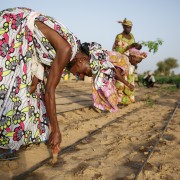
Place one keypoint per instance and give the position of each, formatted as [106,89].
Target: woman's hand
[134,45]
[55,139]
[131,87]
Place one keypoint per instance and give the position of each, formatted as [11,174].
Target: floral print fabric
[104,90]
[125,95]
[23,118]
[121,43]
[120,46]
[107,91]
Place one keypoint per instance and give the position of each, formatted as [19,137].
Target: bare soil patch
[119,147]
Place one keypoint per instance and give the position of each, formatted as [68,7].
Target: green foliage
[164,79]
[152,45]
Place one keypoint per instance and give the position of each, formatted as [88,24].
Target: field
[140,141]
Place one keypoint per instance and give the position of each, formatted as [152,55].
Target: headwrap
[103,77]
[137,53]
[126,22]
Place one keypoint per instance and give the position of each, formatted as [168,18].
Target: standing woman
[125,40]
[123,43]
[30,43]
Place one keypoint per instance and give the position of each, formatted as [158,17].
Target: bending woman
[107,70]
[34,46]
[30,44]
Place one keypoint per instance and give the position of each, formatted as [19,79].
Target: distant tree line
[164,67]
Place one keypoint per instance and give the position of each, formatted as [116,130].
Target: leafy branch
[152,45]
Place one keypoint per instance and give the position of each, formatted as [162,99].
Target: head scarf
[126,22]
[100,65]
[103,77]
[137,53]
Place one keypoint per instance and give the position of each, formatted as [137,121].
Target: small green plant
[152,45]
[149,101]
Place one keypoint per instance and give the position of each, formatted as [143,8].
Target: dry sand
[117,150]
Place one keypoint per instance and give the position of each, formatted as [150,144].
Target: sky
[96,20]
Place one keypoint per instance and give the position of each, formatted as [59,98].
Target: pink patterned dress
[23,118]
[125,95]
[107,91]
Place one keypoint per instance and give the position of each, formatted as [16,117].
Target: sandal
[9,155]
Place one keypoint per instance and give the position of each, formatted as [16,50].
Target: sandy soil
[116,145]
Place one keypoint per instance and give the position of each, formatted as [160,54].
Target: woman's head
[90,60]
[127,25]
[127,29]
[80,64]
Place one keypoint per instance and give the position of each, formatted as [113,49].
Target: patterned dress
[125,95]
[120,45]
[23,118]
[107,91]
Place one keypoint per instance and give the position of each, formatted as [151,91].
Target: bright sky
[96,20]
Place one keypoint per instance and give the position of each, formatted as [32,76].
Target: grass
[149,101]
[167,90]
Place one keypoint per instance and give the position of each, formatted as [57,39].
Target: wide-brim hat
[126,22]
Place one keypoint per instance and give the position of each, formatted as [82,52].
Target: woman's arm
[119,77]
[63,54]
